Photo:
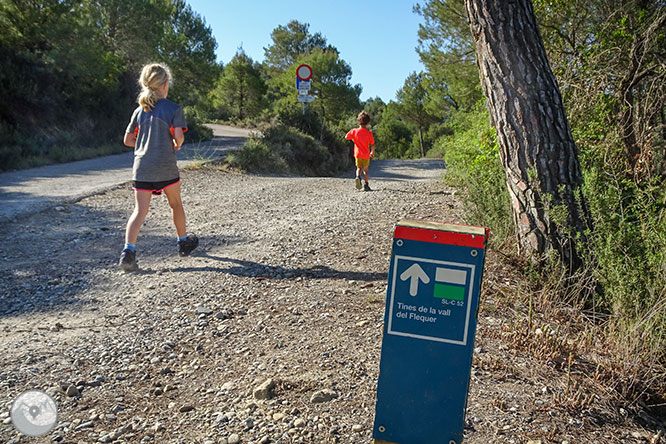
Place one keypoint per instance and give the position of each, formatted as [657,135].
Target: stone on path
[265,390]
[324,395]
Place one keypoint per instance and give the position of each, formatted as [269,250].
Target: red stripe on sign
[441,237]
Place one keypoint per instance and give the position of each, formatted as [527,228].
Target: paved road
[28,191]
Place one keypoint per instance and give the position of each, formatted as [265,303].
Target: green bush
[628,239]
[328,135]
[625,249]
[196,131]
[50,145]
[283,149]
[473,166]
[257,156]
[393,137]
[627,246]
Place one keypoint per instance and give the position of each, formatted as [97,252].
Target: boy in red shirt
[364,148]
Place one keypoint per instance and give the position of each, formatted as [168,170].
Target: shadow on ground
[243,268]
[409,169]
[216,148]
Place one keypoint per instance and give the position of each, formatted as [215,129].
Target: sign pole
[432,301]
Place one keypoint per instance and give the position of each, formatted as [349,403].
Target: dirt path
[27,191]
[288,285]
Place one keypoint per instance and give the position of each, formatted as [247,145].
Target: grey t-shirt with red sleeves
[154,156]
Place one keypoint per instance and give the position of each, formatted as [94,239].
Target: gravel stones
[186,408]
[201,310]
[106,438]
[324,395]
[265,390]
[72,390]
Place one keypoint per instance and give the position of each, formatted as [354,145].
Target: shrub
[627,247]
[53,144]
[196,131]
[473,166]
[257,156]
[282,149]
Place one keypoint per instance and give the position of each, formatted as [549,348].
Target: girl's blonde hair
[153,77]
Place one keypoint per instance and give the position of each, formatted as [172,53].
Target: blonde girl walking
[155,131]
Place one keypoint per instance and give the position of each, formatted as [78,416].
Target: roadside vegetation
[608,323]
[69,74]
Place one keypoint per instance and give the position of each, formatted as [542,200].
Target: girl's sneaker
[128,260]
[188,245]
[358,183]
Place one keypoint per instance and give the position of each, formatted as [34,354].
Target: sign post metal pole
[432,301]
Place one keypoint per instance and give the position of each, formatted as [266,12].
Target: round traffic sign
[304,72]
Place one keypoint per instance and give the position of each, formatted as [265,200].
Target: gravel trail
[269,333]
[288,284]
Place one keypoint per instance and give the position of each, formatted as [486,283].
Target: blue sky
[377,38]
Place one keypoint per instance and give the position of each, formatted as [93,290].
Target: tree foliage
[294,45]
[331,78]
[69,69]
[446,49]
[291,42]
[611,60]
[414,102]
[393,136]
[608,58]
[188,47]
[240,90]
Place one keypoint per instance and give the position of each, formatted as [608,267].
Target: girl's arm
[130,140]
[178,137]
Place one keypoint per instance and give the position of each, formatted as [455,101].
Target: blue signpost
[429,325]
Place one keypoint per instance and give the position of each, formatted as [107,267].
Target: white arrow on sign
[415,272]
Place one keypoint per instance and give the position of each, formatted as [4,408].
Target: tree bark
[537,150]
[241,97]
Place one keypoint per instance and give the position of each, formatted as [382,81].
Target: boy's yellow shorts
[360,163]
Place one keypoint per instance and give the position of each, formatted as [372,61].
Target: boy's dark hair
[363,118]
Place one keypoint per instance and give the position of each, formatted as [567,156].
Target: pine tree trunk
[241,98]
[536,146]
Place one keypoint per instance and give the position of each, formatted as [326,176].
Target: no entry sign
[304,72]
[432,300]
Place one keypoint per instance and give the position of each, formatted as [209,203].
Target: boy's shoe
[358,183]
[128,261]
[188,245]
[366,187]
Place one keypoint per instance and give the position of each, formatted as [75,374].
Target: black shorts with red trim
[154,187]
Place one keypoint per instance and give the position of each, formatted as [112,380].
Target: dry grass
[597,367]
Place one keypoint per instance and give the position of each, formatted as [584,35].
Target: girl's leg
[141,207]
[366,171]
[177,211]
[358,171]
